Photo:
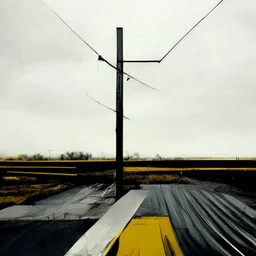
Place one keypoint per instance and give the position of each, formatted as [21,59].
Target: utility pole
[119,90]
[120,110]
[119,114]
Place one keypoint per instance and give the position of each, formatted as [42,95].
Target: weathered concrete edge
[97,238]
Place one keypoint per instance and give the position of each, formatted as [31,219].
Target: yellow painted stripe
[43,173]
[148,169]
[37,167]
[148,236]
[116,237]
[112,243]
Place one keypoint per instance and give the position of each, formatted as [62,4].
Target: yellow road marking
[112,243]
[148,169]
[116,237]
[37,167]
[148,236]
[43,173]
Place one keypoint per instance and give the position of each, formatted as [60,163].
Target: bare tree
[157,157]
[75,155]
[136,155]
[178,158]
[62,157]
[24,157]
[38,156]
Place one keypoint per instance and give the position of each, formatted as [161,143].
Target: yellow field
[148,169]
[37,167]
[134,169]
[43,173]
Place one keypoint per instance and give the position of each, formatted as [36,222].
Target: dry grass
[25,192]
[8,200]
[146,169]
[97,173]
[133,177]
[19,178]
[150,178]
[29,189]
[18,194]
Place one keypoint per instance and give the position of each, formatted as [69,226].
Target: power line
[159,61]
[87,94]
[191,30]
[68,26]
[99,56]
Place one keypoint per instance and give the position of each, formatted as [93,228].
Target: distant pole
[49,154]
[119,115]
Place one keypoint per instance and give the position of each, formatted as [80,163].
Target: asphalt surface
[40,238]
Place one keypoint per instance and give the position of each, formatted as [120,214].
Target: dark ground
[54,238]
[40,238]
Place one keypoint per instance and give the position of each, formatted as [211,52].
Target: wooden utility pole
[119,115]
[120,110]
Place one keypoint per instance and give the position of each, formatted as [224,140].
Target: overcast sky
[206,101]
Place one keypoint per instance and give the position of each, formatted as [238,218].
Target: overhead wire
[178,42]
[112,66]
[87,94]
[69,27]
[99,56]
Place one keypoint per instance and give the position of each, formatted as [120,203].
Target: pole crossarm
[142,61]
[100,58]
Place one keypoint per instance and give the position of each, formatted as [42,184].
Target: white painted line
[97,238]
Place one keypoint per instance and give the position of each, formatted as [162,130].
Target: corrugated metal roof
[174,220]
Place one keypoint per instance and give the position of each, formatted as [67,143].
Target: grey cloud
[205,105]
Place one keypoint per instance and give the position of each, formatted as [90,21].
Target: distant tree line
[70,155]
[76,155]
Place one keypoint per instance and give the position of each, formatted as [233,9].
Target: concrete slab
[75,195]
[78,203]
